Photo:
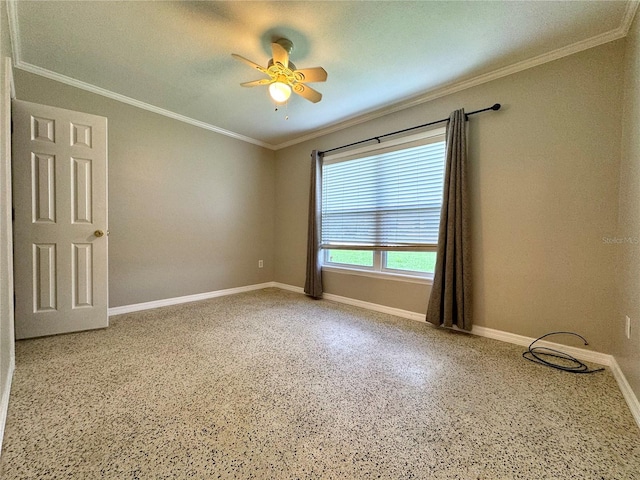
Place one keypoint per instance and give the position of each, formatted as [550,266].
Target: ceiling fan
[283,75]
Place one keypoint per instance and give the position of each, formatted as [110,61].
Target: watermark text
[621,240]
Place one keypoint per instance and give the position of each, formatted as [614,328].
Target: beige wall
[190,211]
[627,351]
[544,178]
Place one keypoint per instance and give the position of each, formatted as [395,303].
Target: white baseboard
[579,353]
[186,299]
[4,401]
[625,388]
[420,317]
[358,303]
[291,288]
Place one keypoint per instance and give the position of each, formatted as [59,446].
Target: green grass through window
[361,258]
[423,262]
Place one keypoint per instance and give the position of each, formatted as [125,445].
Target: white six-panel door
[60,226]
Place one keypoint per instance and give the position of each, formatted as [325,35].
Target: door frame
[7,336]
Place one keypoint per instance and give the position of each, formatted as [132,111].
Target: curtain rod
[492,107]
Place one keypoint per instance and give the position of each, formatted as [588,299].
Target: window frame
[379,268]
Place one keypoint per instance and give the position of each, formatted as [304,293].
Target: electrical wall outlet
[260,264]
[628,326]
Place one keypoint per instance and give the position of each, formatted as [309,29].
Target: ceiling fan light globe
[279,92]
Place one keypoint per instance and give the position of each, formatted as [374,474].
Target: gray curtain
[313,282]
[450,300]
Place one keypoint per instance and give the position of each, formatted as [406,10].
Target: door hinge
[13,214]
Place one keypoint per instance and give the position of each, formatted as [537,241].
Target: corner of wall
[626,351]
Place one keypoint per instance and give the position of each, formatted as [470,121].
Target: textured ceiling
[175,57]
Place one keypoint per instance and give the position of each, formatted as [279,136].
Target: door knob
[98,233]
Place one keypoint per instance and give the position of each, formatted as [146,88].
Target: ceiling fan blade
[250,63]
[315,74]
[280,55]
[255,83]
[307,92]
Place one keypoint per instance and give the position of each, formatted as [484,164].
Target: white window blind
[390,200]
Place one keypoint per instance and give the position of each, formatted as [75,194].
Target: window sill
[379,275]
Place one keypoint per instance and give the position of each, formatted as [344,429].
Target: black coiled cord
[536,354]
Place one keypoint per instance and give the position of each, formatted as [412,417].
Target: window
[381,206]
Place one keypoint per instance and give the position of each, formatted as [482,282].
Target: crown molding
[629,15]
[43,72]
[16,48]
[14,31]
[458,86]
[442,91]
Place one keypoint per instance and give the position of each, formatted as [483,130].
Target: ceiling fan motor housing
[286,44]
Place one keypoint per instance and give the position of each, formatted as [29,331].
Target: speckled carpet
[272,385]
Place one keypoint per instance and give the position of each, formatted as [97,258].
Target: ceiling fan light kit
[284,78]
[280,92]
